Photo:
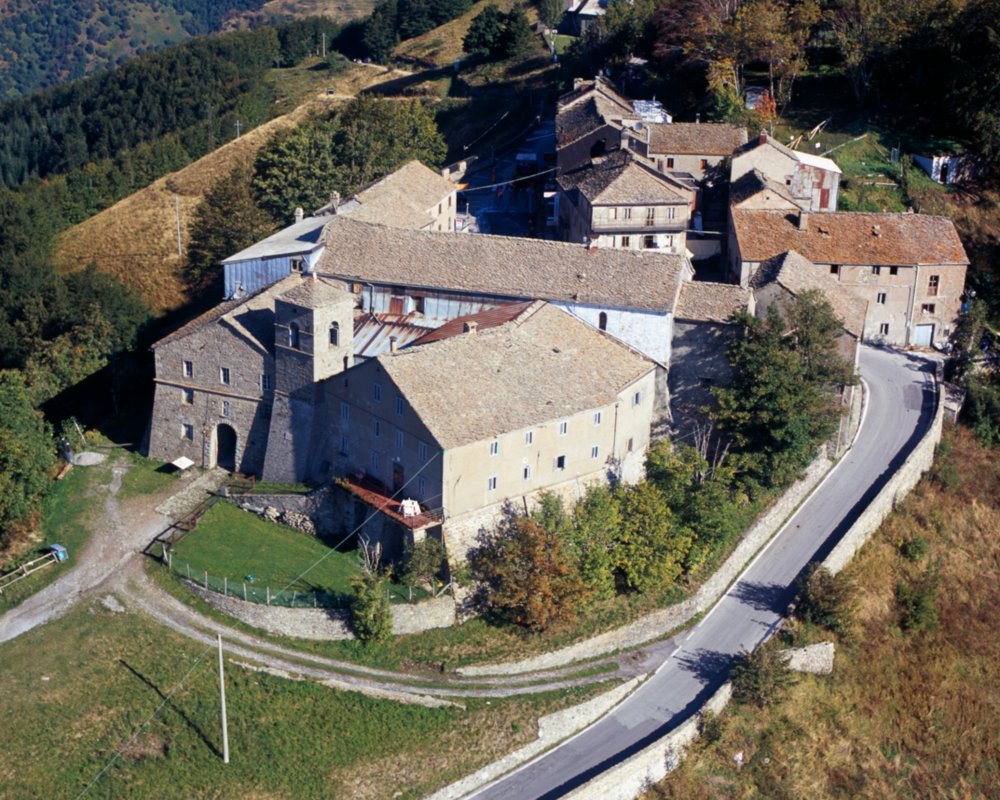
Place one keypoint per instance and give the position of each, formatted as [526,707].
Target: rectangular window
[187,396]
[265,381]
[345,412]
[297,264]
[626,241]
[614,213]
[376,427]
[649,242]
[224,375]
[597,417]
[637,398]
[422,451]
[563,428]
[671,212]
[491,483]
[399,439]
[225,408]
[650,216]
[704,164]
[670,163]
[883,329]
[494,448]
[626,213]
[560,462]
[893,270]
[629,445]
[343,444]
[927,308]
[834,269]
[188,368]
[932,285]
[374,461]
[880,298]
[377,392]
[421,487]
[595,451]
[526,472]
[529,437]
[399,406]
[187,431]
[876,270]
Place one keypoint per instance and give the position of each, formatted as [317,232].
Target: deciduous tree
[26,451]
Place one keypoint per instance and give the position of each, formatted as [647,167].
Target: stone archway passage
[225,444]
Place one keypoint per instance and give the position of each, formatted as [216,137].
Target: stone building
[590,122]
[686,147]
[910,268]
[476,418]
[814,181]
[616,201]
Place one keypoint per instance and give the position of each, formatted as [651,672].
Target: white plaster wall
[649,332]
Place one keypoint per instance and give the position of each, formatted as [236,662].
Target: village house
[686,147]
[616,201]
[753,190]
[414,197]
[813,181]
[590,122]
[479,418]
[910,268]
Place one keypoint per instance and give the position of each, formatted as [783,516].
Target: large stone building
[693,148]
[590,122]
[617,201]
[814,181]
[910,268]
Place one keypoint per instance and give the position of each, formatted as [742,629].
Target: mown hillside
[913,706]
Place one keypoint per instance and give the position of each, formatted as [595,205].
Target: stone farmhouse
[414,196]
[814,181]
[590,121]
[616,201]
[686,147]
[910,268]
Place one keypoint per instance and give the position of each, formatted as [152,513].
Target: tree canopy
[27,450]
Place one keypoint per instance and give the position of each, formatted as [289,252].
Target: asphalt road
[900,408]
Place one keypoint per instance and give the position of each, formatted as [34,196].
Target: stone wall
[900,485]
[311,513]
[328,623]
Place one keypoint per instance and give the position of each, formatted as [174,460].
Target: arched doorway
[225,447]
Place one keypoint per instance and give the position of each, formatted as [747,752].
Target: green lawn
[77,689]
[235,544]
[144,477]
[64,513]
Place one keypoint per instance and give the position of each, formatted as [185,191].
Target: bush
[825,599]
[917,600]
[710,727]
[423,562]
[760,677]
[913,548]
[371,615]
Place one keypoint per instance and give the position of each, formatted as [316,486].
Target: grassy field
[78,689]
[235,544]
[442,45]
[906,714]
[64,514]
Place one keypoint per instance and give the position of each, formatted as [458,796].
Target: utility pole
[177,216]
[237,129]
[222,696]
[323,51]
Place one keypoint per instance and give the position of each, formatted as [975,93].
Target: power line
[512,180]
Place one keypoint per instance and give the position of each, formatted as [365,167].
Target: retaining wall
[328,623]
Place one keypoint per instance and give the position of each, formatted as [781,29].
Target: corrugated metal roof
[373,332]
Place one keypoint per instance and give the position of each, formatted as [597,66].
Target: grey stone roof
[754,182]
[501,266]
[541,366]
[403,199]
[588,108]
[798,274]
[704,301]
[316,293]
[695,138]
[619,179]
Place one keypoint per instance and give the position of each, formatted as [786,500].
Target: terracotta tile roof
[798,275]
[588,108]
[619,179]
[542,366]
[693,138]
[501,266]
[711,302]
[753,183]
[848,237]
[483,320]
[403,199]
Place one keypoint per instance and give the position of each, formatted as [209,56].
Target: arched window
[335,334]
[293,336]
[602,321]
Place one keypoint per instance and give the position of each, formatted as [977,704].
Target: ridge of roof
[707,301]
[695,138]
[621,178]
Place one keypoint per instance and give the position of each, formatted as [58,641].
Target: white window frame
[637,398]
[265,381]
[494,448]
[529,438]
[883,329]
[595,451]
[226,408]
[400,405]
[564,427]
[187,397]
[187,368]
[526,472]
[880,298]
[491,483]
[225,376]
[187,431]
[597,418]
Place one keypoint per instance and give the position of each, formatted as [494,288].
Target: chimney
[299,214]
[393,344]
[470,326]
[762,139]
[334,201]
[803,220]
[697,119]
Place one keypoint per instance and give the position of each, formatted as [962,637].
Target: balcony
[639,226]
[376,494]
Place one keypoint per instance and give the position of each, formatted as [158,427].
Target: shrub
[423,562]
[917,600]
[371,615]
[825,599]
[913,548]
[760,677]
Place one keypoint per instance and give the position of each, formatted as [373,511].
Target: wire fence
[313,597]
